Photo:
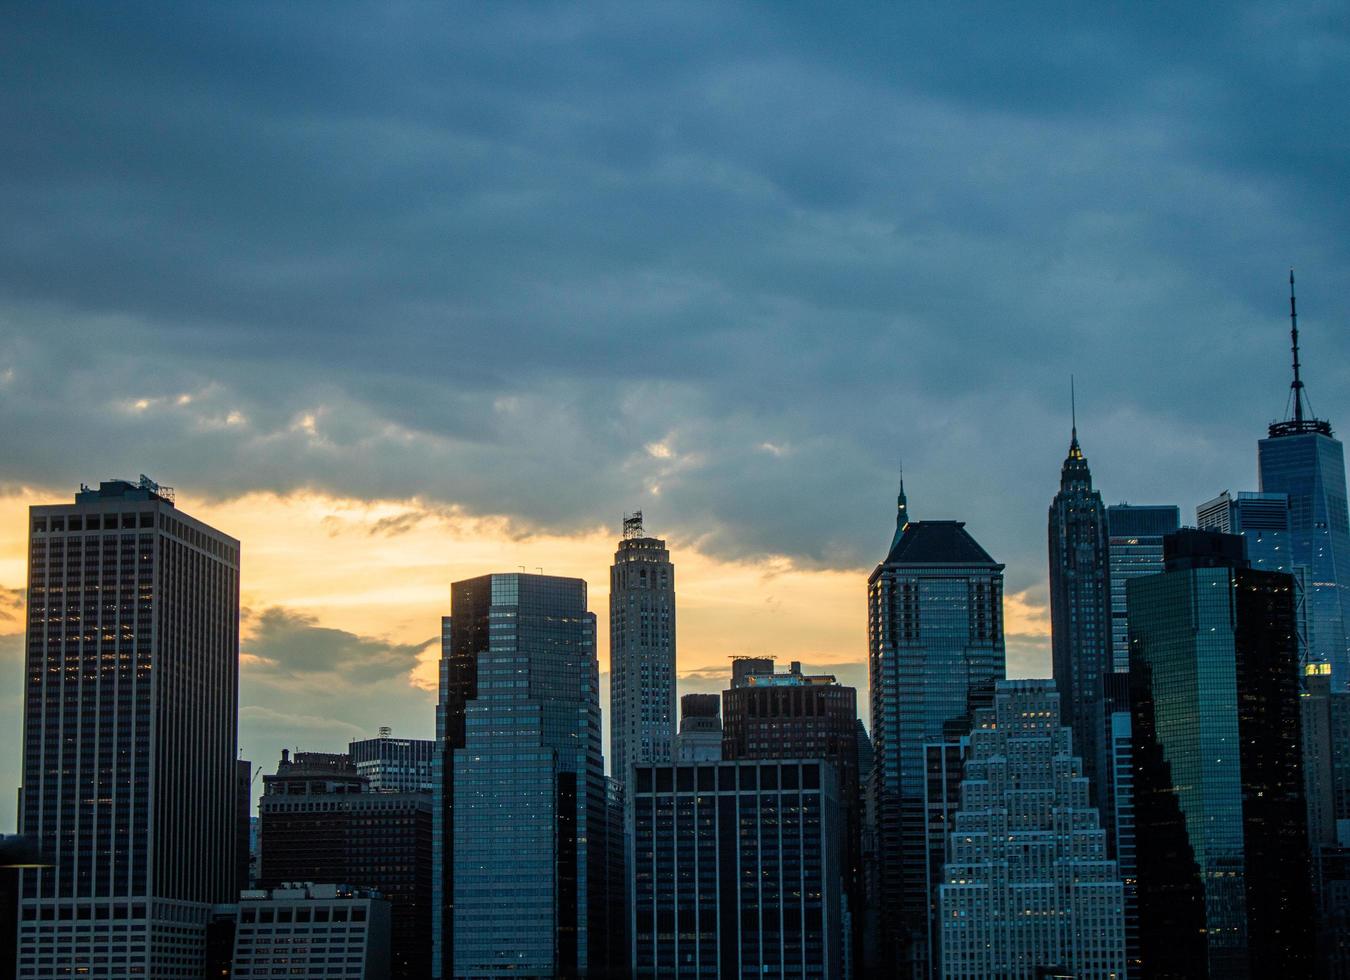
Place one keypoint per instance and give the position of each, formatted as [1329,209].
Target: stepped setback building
[1029,885]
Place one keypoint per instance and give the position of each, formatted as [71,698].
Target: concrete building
[641,651]
[736,870]
[131,701]
[309,930]
[700,737]
[1029,885]
[394,765]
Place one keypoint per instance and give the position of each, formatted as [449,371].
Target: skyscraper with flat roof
[1223,851]
[531,872]
[641,651]
[131,708]
[1302,459]
[935,638]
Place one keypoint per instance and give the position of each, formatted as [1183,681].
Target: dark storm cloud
[549,262]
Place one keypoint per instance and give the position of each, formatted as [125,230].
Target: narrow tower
[641,651]
[1080,615]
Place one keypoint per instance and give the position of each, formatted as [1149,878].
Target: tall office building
[641,651]
[131,706]
[530,882]
[1080,619]
[1135,547]
[319,821]
[1302,459]
[394,765]
[736,870]
[1029,884]
[1262,519]
[792,715]
[1224,886]
[935,639]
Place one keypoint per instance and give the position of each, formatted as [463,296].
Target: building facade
[1029,885]
[131,704]
[530,861]
[1135,547]
[319,822]
[1080,618]
[736,870]
[1223,867]
[700,737]
[311,930]
[395,765]
[935,637]
[641,651]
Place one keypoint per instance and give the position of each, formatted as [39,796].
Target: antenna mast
[1297,386]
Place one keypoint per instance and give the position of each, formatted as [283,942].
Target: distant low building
[394,765]
[700,737]
[309,930]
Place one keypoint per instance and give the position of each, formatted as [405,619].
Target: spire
[1303,422]
[901,509]
[1074,451]
[1297,387]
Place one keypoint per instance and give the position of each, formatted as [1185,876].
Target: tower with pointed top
[1301,458]
[935,648]
[1080,617]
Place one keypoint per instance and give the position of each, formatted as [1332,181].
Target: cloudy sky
[398,294]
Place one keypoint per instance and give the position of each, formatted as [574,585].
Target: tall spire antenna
[1073,409]
[1297,386]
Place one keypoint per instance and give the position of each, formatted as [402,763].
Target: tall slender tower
[132,695]
[641,651]
[1080,618]
[1301,458]
[935,647]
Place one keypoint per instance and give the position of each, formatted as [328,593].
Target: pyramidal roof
[937,542]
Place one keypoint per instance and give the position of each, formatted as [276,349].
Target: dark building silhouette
[935,637]
[1223,866]
[130,730]
[1080,621]
[736,870]
[243,802]
[700,737]
[804,716]
[320,823]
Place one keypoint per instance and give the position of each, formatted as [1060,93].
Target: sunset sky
[399,294]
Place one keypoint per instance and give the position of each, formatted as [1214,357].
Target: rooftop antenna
[1297,387]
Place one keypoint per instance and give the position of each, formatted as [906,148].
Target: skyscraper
[1302,459]
[1135,547]
[1224,885]
[1029,884]
[529,821]
[132,692]
[641,651]
[1080,618]
[935,638]
[700,737]
[394,765]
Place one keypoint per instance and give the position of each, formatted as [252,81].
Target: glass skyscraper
[641,651]
[1080,618]
[1136,548]
[935,638]
[131,712]
[1302,459]
[1224,883]
[529,825]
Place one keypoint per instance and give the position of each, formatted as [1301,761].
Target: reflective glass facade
[736,870]
[1310,468]
[1219,795]
[530,869]
[131,706]
[935,632]
[1135,548]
